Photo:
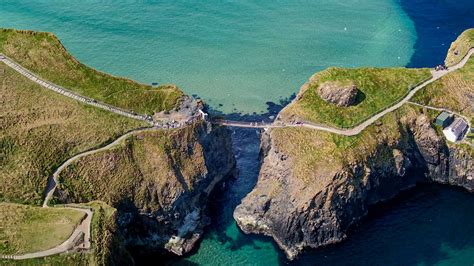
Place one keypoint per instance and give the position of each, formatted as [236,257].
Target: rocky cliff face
[159,182]
[300,214]
[179,224]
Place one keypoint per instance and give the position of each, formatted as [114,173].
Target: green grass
[25,229]
[379,88]
[156,161]
[40,129]
[314,151]
[43,54]
[107,243]
[454,91]
[461,46]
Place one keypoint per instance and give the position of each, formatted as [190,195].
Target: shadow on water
[437,24]
[422,226]
[425,225]
[272,111]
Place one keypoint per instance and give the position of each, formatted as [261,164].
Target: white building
[456,130]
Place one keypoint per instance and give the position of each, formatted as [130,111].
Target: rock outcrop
[159,182]
[339,93]
[299,213]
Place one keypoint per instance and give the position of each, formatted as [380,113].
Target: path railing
[68,93]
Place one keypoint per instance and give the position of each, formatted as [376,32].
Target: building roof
[458,126]
[443,116]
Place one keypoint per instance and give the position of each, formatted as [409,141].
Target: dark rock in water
[339,93]
[300,213]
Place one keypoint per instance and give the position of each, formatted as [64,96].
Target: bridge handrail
[89,100]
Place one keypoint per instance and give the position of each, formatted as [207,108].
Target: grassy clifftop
[460,47]
[43,54]
[314,151]
[107,242]
[23,228]
[378,88]
[148,168]
[40,129]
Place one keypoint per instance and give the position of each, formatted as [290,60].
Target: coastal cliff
[318,209]
[159,181]
[313,185]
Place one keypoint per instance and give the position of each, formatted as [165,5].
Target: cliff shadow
[423,225]
[437,24]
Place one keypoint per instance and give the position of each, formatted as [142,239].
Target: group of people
[441,67]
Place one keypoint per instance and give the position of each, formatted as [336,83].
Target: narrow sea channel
[239,55]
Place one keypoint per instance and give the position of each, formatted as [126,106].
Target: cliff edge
[312,189]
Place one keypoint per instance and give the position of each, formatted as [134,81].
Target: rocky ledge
[158,181]
[318,210]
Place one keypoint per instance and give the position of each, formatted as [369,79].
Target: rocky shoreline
[178,227]
[298,215]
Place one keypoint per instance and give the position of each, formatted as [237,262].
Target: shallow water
[238,55]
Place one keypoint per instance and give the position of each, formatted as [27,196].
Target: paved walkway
[58,89]
[53,179]
[83,230]
[359,128]
[79,239]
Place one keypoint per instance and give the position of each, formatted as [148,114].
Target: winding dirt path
[359,128]
[83,230]
[80,234]
[53,179]
[80,237]
[70,94]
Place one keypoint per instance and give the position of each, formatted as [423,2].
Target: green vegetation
[141,169]
[314,151]
[40,129]
[43,54]
[379,88]
[455,91]
[107,243]
[460,47]
[72,259]
[26,229]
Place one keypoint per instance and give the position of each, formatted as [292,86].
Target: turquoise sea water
[238,55]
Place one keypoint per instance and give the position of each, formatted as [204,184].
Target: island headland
[127,165]
[314,185]
[142,160]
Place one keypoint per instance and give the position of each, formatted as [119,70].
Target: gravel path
[65,92]
[83,230]
[359,128]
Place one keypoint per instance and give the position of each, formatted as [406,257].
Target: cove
[241,55]
[237,55]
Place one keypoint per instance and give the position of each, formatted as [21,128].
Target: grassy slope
[23,227]
[463,43]
[143,168]
[454,91]
[314,151]
[106,241]
[380,87]
[40,129]
[43,54]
